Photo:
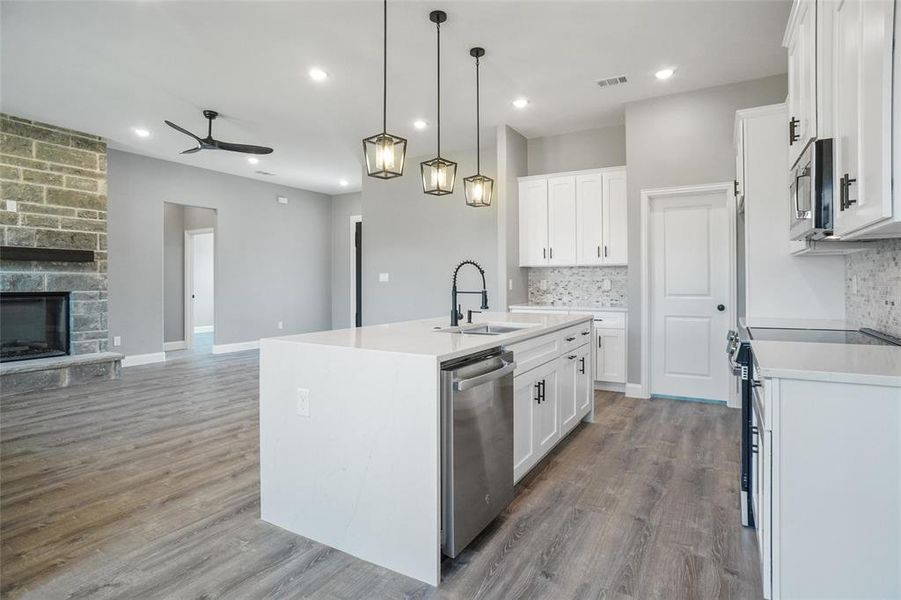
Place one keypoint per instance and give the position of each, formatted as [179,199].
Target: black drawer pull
[570,339]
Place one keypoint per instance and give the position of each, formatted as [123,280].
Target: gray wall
[173,272]
[343,207]
[512,162]
[589,149]
[676,140]
[271,264]
[419,239]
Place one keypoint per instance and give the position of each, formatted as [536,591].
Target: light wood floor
[147,487]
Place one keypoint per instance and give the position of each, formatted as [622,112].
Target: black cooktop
[824,336]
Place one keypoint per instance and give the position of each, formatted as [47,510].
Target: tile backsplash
[873,287]
[578,286]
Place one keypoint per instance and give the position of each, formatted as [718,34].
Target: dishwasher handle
[465,384]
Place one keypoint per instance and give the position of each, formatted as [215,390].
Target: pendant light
[438,174]
[384,153]
[478,188]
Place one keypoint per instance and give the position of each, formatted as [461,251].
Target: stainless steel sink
[486,328]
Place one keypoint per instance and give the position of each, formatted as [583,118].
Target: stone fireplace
[53,241]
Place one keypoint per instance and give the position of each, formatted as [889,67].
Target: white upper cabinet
[576,219]
[615,222]
[801,42]
[533,223]
[561,210]
[862,120]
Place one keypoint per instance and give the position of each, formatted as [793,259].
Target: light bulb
[477,192]
[439,177]
[384,155]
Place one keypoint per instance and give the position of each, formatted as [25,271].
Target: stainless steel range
[741,363]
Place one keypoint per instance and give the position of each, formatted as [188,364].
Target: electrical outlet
[383,277]
[542,284]
[606,285]
[510,285]
[854,284]
[12,205]
[303,402]
[281,325]
[117,340]
[281,199]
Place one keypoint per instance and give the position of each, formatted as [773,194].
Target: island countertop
[425,336]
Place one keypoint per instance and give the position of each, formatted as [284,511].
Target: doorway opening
[189,279]
[356,271]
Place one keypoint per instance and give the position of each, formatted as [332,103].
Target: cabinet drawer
[536,351]
[573,337]
[610,320]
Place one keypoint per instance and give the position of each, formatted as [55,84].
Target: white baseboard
[238,347]
[203,329]
[610,387]
[635,390]
[168,346]
[143,359]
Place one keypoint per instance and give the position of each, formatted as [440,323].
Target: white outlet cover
[606,285]
[12,205]
[383,277]
[543,284]
[281,325]
[303,402]
[510,285]
[282,199]
[117,340]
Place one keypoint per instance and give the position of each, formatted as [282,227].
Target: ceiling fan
[208,143]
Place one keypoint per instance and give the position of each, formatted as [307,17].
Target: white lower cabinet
[610,353]
[548,401]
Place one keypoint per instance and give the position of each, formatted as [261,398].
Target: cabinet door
[611,355]
[533,223]
[584,379]
[589,218]
[561,201]
[567,401]
[802,77]
[525,407]
[863,95]
[616,226]
[547,421]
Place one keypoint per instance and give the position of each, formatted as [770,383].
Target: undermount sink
[486,328]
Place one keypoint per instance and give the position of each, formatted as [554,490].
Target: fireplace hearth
[33,325]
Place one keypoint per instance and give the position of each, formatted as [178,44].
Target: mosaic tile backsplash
[874,299]
[579,286]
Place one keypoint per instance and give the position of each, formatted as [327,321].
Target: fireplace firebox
[33,325]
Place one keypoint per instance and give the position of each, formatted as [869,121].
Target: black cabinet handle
[793,136]
[586,332]
[599,251]
[582,365]
[552,253]
[844,192]
[605,250]
[541,397]
[571,357]
[544,253]
[570,339]
[537,397]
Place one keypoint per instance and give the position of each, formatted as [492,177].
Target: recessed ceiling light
[142,133]
[317,74]
[253,160]
[664,73]
[343,183]
[420,124]
[521,102]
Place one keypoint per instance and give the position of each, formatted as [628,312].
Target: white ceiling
[106,67]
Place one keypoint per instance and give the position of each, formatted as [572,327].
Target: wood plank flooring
[148,487]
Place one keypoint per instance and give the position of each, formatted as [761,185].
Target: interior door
[689,275]
[533,223]
[589,217]
[616,227]
[561,201]
[568,402]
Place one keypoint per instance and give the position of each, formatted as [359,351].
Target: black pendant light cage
[478,188]
[438,174]
[384,153]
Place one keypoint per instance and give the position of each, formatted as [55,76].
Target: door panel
[548,417]
[689,279]
[589,216]
[533,223]
[584,379]
[845,102]
[568,402]
[561,201]
[611,355]
[524,408]
[616,227]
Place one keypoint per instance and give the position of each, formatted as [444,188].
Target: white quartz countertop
[844,363]
[421,337]
[786,323]
[568,307]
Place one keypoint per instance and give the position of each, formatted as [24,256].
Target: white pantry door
[689,250]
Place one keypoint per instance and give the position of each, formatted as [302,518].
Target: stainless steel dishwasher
[477,444]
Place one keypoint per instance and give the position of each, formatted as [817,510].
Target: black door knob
[720,307]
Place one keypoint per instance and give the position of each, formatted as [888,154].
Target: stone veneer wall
[57,177]
[579,286]
[873,287]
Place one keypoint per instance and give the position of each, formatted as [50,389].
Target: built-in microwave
[810,192]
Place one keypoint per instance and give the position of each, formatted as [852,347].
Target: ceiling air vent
[266,173]
[609,81]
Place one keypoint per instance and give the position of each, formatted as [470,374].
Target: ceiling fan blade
[245,148]
[192,150]
[182,130]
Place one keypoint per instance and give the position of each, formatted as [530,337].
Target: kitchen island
[350,427]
